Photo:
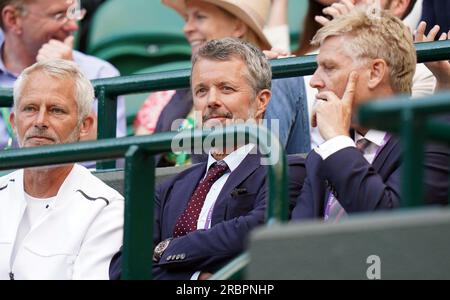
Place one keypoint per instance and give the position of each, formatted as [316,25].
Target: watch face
[160,248]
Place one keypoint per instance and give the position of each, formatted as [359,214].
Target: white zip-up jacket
[75,238]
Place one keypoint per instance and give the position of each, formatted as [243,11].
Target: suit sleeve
[296,178]
[304,209]
[205,249]
[115,268]
[437,174]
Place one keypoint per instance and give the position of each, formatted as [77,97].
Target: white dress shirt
[233,161]
[377,139]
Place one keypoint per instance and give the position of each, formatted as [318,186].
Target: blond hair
[376,34]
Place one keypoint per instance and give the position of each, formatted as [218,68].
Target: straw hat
[254,13]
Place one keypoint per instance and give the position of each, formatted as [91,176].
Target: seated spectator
[58,222]
[205,214]
[35,31]
[207,20]
[364,55]
[424,82]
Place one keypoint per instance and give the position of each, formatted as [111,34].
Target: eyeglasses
[74,12]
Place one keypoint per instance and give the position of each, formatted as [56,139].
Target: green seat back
[135,34]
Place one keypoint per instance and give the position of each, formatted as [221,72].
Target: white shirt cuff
[196,275]
[334,145]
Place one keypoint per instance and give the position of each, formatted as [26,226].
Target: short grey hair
[259,71]
[59,68]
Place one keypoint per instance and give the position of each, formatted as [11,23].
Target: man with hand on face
[205,214]
[38,30]
[363,55]
[424,82]
[58,222]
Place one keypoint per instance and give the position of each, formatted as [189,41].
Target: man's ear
[12,119]
[88,130]
[240,29]
[378,72]
[263,99]
[398,8]
[12,21]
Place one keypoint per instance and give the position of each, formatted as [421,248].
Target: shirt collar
[374,136]
[234,159]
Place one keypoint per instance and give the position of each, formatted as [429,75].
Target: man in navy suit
[204,215]
[364,55]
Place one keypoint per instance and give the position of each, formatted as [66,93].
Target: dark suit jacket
[437,12]
[234,216]
[361,187]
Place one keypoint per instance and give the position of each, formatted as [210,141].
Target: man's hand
[440,69]
[55,49]
[335,10]
[276,53]
[332,115]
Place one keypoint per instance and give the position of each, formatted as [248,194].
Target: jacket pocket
[240,205]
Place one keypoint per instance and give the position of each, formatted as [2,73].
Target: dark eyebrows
[200,85]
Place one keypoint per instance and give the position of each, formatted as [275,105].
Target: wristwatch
[160,248]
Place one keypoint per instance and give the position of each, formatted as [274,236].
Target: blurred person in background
[38,30]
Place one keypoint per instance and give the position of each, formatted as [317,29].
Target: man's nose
[41,120]
[71,25]
[316,82]
[213,98]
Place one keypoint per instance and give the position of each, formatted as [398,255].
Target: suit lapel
[245,169]
[182,192]
[385,154]
[320,190]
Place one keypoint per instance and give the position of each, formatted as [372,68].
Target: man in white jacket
[56,222]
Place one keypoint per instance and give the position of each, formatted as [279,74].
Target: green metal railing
[140,178]
[415,122]
[107,90]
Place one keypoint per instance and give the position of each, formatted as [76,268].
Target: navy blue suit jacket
[240,207]
[362,187]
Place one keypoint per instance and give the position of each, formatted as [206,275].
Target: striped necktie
[334,211]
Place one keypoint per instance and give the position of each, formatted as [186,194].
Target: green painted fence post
[139,191]
[413,141]
[107,122]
